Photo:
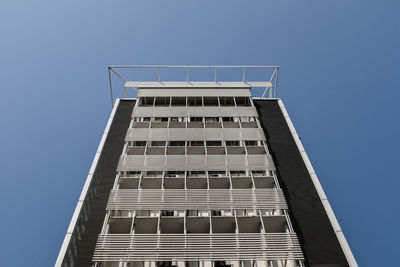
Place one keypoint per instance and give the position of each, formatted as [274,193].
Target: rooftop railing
[267,81]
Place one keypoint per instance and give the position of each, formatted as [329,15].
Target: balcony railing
[196,199]
[268,81]
[194,162]
[197,247]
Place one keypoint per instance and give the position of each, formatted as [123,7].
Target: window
[232,143]
[175,174]
[197,174]
[177,119]
[228,119]
[214,143]
[243,101]
[251,143]
[177,143]
[211,101]
[160,119]
[134,173]
[212,119]
[167,213]
[195,119]
[158,143]
[226,101]
[162,102]
[139,143]
[195,143]
[178,102]
[258,173]
[238,173]
[194,102]
[154,174]
[247,119]
[146,101]
[216,174]
[216,213]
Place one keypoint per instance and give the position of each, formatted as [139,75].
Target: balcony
[196,199]
[197,247]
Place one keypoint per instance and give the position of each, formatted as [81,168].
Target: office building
[202,174]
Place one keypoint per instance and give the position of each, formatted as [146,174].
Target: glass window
[226,101]
[211,119]
[177,143]
[162,102]
[139,143]
[178,102]
[232,143]
[243,101]
[196,119]
[251,143]
[216,173]
[211,101]
[146,101]
[158,143]
[214,143]
[194,102]
[196,143]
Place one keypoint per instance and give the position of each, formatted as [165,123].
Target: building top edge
[197,85]
[194,66]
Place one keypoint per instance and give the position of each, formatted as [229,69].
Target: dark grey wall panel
[90,221]
[310,221]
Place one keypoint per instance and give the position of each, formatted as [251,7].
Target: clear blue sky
[339,80]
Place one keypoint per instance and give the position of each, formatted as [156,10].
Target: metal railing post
[276,81]
[111,91]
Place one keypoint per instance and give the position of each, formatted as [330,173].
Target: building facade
[202,174]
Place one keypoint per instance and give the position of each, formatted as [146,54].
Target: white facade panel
[195,91]
[196,162]
[194,134]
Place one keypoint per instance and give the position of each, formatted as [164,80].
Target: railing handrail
[272,88]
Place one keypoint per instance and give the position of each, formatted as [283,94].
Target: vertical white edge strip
[328,209]
[85,189]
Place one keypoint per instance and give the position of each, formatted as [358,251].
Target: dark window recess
[178,102]
[146,101]
[232,143]
[211,101]
[162,102]
[167,213]
[195,101]
[226,101]
[251,143]
[139,143]
[177,143]
[160,119]
[212,119]
[228,119]
[195,143]
[196,119]
[214,143]
[243,101]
